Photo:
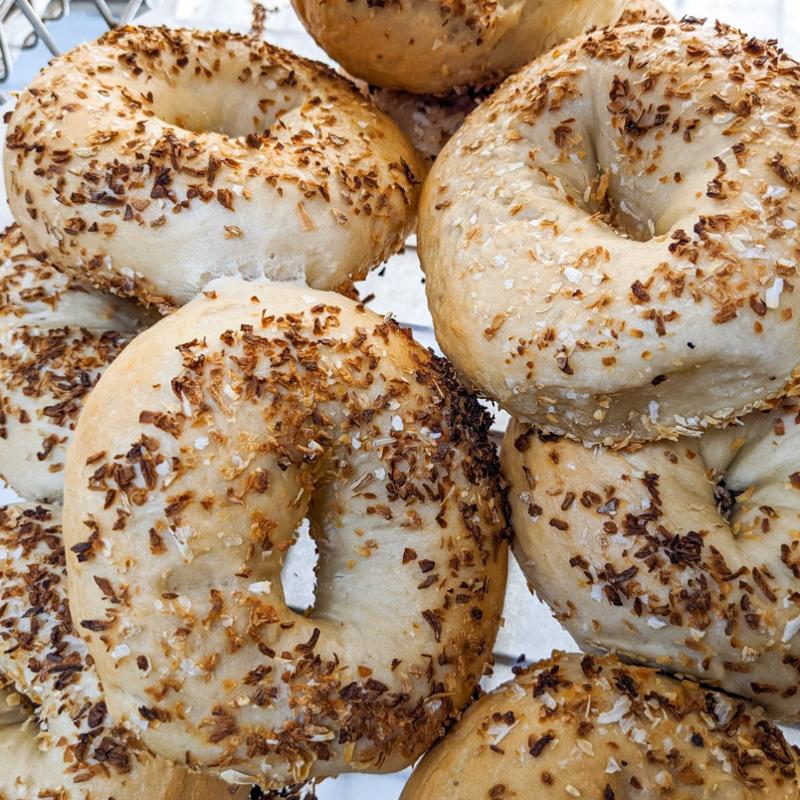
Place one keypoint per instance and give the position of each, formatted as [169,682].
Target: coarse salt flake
[612,766]
[616,713]
[791,629]
[773,295]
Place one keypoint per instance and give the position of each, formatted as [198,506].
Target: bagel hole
[233,129]
[299,571]
[234,121]
[726,500]
[605,202]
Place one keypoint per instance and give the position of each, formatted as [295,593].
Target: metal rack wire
[24,23]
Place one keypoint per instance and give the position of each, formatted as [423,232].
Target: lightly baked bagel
[68,749]
[684,555]
[591,727]
[433,47]
[153,160]
[265,403]
[609,241]
[56,337]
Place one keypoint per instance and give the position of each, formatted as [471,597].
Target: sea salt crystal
[190,668]
[181,536]
[776,193]
[499,732]
[773,294]
[120,651]
[791,629]
[616,713]
[548,701]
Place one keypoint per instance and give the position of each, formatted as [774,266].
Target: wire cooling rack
[25,23]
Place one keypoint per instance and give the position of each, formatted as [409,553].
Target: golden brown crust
[56,338]
[577,726]
[684,555]
[153,160]
[70,749]
[267,403]
[623,269]
[433,47]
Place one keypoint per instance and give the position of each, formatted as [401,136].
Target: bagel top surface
[264,404]
[684,555]
[610,240]
[434,46]
[67,748]
[576,726]
[153,160]
[56,337]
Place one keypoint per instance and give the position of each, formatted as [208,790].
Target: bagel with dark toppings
[153,160]
[610,240]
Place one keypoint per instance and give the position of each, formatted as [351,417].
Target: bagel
[609,240]
[433,47]
[684,555]
[264,403]
[592,727]
[153,160]
[56,338]
[69,749]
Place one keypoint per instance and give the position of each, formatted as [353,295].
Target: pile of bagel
[606,202]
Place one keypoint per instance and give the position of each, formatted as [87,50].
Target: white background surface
[528,627]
